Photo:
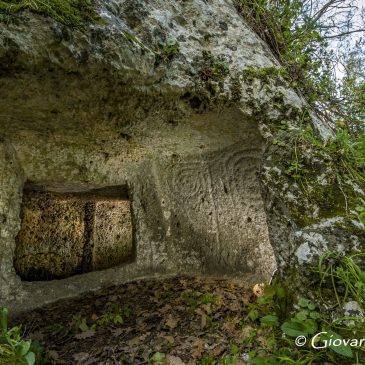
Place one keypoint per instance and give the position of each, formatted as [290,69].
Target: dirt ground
[176,321]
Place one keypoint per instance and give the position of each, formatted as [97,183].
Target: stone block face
[112,234]
[51,240]
[66,234]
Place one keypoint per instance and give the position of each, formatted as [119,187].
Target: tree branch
[344,34]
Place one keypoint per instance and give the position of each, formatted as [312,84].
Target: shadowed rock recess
[118,163]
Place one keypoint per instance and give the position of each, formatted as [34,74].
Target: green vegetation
[267,74]
[215,69]
[346,162]
[78,324]
[114,315]
[13,348]
[131,37]
[219,69]
[195,299]
[329,173]
[338,272]
[158,358]
[281,326]
[266,326]
[298,33]
[74,13]
[278,320]
[168,49]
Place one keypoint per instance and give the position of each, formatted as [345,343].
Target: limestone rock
[192,136]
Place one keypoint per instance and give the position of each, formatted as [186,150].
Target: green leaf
[303,302]
[362,217]
[270,320]
[83,325]
[314,315]
[264,299]
[344,350]
[171,42]
[118,319]
[269,291]
[24,347]
[310,326]
[280,292]
[259,360]
[234,349]
[253,315]
[30,358]
[302,315]
[159,357]
[293,329]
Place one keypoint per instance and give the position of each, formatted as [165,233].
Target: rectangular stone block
[112,234]
[68,233]
[51,240]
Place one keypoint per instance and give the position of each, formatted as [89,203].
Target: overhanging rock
[189,138]
[197,212]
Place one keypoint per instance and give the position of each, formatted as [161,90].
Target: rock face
[187,133]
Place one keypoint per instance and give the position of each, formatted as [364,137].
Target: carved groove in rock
[217,201]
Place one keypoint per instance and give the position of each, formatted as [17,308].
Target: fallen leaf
[170,339]
[207,308]
[173,360]
[203,322]
[81,356]
[117,332]
[218,350]
[137,340]
[198,347]
[258,289]
[184,283]
[171,322]
[165,308]
[240,362]
[53,355]
[85,334]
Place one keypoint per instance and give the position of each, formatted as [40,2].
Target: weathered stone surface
[112,234]
[51,241]
[97,109]
[11,182]
[67,234]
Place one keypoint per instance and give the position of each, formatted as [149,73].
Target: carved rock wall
[96,109]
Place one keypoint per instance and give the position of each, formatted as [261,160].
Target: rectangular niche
[68,230]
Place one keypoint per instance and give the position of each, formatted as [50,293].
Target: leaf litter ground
[186,319]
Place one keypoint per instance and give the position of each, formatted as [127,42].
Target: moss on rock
[74,13]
